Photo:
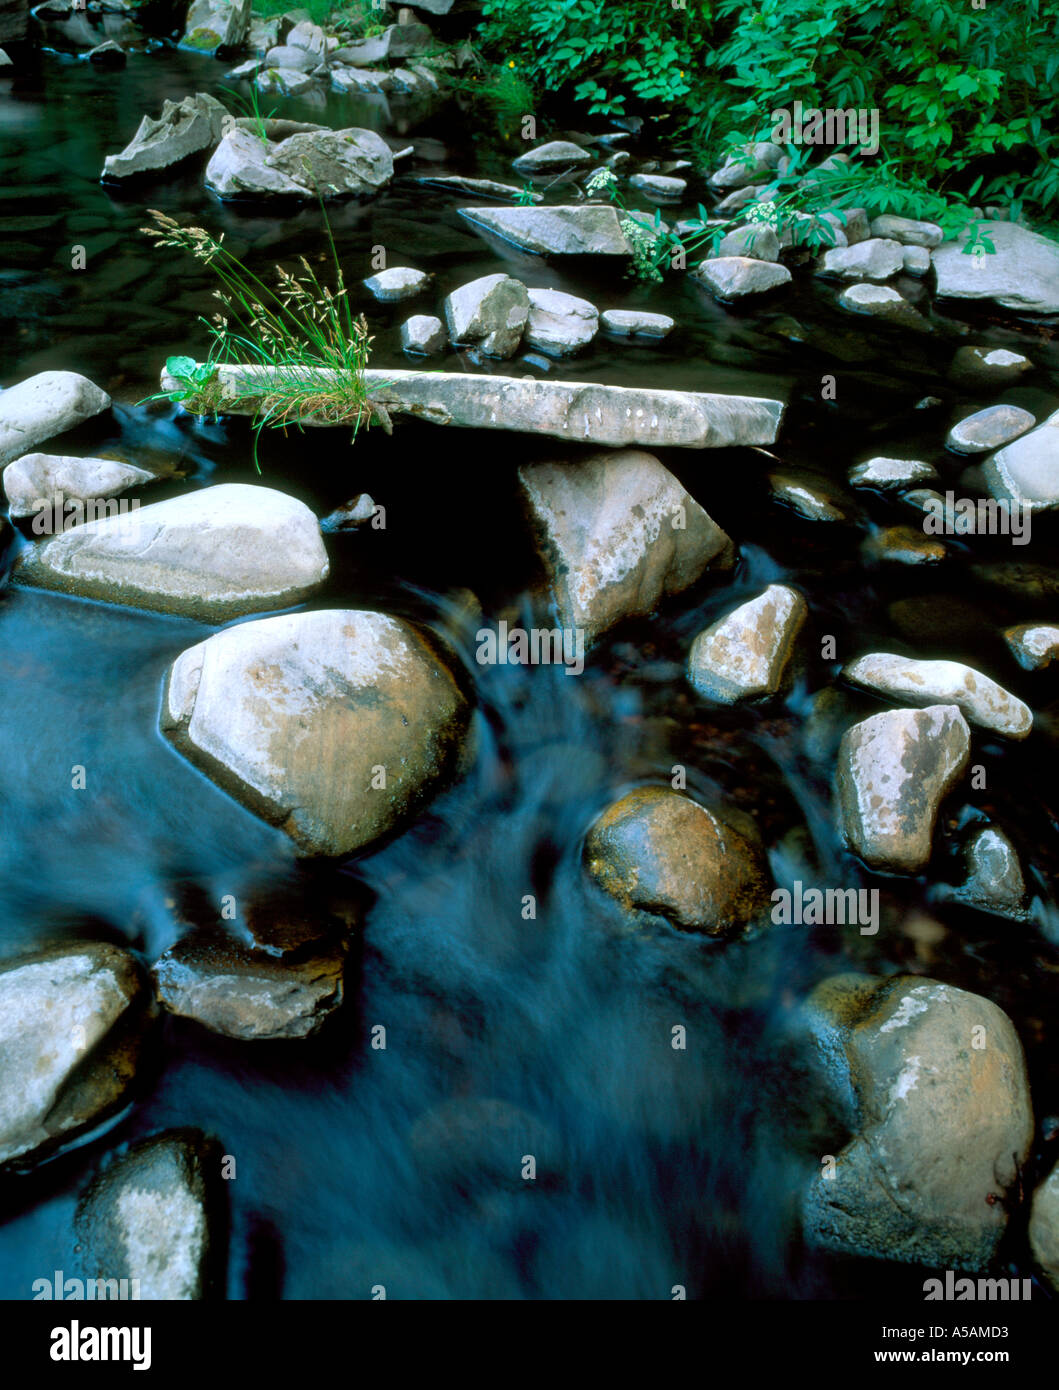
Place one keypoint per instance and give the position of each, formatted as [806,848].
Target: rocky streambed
[596,840]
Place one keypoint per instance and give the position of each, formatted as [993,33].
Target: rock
[994,878]
[745,654]
[360,80]
[907,231]
[635,322]
[882,302]
[874,259]
[916,261]
[1033,645]
[72,1020]
[1021,274]
[980,366]
[423,334]
[54,478]
[397,283]
[735,277]
[215,554]
[211,26]
[560,323]
[659,188]
[485,188]
[108,55]
[292,59]
[889,475]
[584,229]
[806,495]
[302,716]
[490,312]
[337,162]
[312,39]
[935,1084]
[856,227]
[739,197]
[551,157]
[904,678]
[153,1216]
[285,82]
[351,514]
[756,240]
[758,159]
[1025,472]
[1044,1227]
[43,406]
[396,41]
[657,851]
[902,545]
[894,770]
[250,68]
[987,429]
[617,532]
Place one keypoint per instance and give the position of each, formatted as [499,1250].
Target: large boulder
[184,128]
[894,769]
[907,679]
[336,726]
[337,163]
[1024,473]
[218,553]
[592,229]
[617,532]
[72,1021]
[490,313]
[745,655]
[1021,273]
[53,480]
[43,406]
[932,1083]
[216,24]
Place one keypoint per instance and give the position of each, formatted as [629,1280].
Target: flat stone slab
[584,229]
[1022,273]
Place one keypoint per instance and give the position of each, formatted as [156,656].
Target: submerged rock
[52,479]
[560,323]
[883,302]
[994,880]
[338,163]
[215,554]
[485,188]
[934,1082]
[617,532]
[894,770]
[153,1215]
[351,514]
[902,545]
[1033,645]
[43,406]
[72,1022]
[397,283]
[987,429]
[1022,273]
[584,229]
[888,474]
[1025,472]
[551,157]
[745,654]
[905,678]
[336,725]
[490,312]
[184,128]
[735,277]
[982,366]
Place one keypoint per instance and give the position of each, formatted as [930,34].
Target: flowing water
[659,1167]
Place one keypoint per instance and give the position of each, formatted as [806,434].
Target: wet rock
[916,261]
[153,1215]
[485,188]
[1021,274]
[53,479]
[43,406]
[292,59]
[658,187]
[745,654]
[423,334]
[551,158]
[737,200]
[894,770]
[735,277]
[982,366]
[108,55]
[617,532]
[883,302]
[1020,581]
[635,322]
[560,323]
[901,545]
[935,1084]
[584,229]
[335,725]
[212,25]
[215,554]
[1033,645]
[1024,472]
[889,475]
[72,1022]
[1044,1227]
[994,877]
[361,80]
[907,231]
[338,162]
[905,678]
[808,496]
[657,851]
[987,429]
[250,68]
[490,312]
[757,160]
[397,283]
[354,513]
[310,38]
[875,259]
[396,41]
[756,240]
[285,82]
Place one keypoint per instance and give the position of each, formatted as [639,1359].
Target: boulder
[490,312]
[916,261]
[988,429]
[184,128]
[1044,1227]
[907,231]
[551,157]
[756,240]
[616,533]
[335,725]
[43,406]
[626,323]
[292,59]
[889,475]
[906,679]
[559,323]
[745,654]
[1022,272]
[218,553]
[216,24]
[659,188]
[54,479]
[876,260]
[586,229]
[735,277]
[659,852]
[882,302]
[1033,645]
[423,334]
[1025,473]
[338,163]
[397,283]
[894,770]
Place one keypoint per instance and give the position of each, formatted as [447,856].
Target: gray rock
[874,260]
[54,478]
[590,229]
[635,322]
[338,163]
[1025,472]
[935,1085]
[889,475]
[857,227]
[335,725]
[396,41]
[286,82]
[905,678]
[72,1021]
[1044,1227]
[735,277]
[806,494]
[490,312]
[916,261]
[617,532]
[907,231]
[356,512]
[756,240]
[659,852]
[759,159]
[250,68]
[894,770]
[994,877]
[397,283]
[44,406]
[745,655]
[485,188]
[981,366]
[987,429]
[1033,645]
[361,80]
[108,55]
[1021,274]
[659,188]
[215,554]
[551,157]
[311,38]
[211,25]
[882,302]
[153,1216]
[292,59]
[739,197]
[560,323]
[423,334]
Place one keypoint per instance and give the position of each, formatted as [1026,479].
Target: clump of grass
[303,349]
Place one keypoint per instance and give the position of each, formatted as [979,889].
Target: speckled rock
[906,679]
[902,545]
[811,497]
[987,429]
[745,654]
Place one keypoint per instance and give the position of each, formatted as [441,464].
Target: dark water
[658,1167]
